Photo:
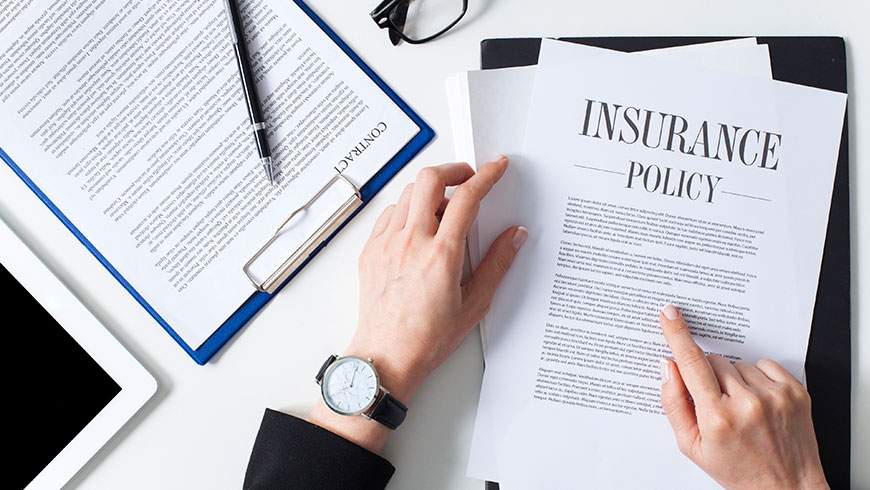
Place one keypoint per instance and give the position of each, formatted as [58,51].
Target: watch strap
[324,367]
[389,411]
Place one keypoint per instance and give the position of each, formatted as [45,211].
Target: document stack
[684,175]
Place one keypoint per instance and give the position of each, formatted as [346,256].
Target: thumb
[679,408]
[481,287]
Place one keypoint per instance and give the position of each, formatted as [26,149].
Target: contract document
[130,116]
[643,184]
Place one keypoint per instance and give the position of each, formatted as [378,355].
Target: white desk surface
[198,431]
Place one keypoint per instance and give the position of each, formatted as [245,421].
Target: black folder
[816,62]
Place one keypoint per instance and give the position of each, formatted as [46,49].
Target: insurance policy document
[484,125]
[130,116]
[641,185]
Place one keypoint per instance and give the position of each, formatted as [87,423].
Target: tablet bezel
[137,384]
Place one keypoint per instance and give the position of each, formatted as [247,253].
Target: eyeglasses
[418,21]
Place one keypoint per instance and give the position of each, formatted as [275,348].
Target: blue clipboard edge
[252,305]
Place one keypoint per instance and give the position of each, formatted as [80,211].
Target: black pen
[258,124]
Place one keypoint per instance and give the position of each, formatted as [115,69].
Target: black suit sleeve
[292,453]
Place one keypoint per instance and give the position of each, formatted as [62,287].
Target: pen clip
[286,269]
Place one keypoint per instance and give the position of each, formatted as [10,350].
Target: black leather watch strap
[389,411]
[326,364]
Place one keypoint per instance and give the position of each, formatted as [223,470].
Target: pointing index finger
[691,360]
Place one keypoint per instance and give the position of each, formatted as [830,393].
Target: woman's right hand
[746,425]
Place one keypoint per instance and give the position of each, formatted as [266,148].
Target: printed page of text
[641,185]
[130,116]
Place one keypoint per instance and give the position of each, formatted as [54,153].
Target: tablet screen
[58,387]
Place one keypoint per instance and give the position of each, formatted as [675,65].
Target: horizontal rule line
[599,169]
[747,196]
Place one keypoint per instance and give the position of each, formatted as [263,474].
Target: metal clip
[276,278]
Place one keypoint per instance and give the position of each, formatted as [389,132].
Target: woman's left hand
[414,308]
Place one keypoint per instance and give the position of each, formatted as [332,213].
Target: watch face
[350,385]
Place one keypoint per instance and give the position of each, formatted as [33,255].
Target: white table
[199,430]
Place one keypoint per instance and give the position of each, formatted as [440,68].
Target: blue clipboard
[250,307]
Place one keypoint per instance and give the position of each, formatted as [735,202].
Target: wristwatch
[350,386]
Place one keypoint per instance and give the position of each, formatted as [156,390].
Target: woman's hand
[746,425]
[414,308]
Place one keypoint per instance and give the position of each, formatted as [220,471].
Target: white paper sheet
[130,117]
[489,107]
[618,440]
[484,95]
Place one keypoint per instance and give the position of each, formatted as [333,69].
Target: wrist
[814,480]
[396,375]
[358,430]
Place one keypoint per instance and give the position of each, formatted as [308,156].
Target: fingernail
[671,312]
[501,158]
[520,237]
[666,370]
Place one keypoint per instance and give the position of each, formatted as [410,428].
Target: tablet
[73,384]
